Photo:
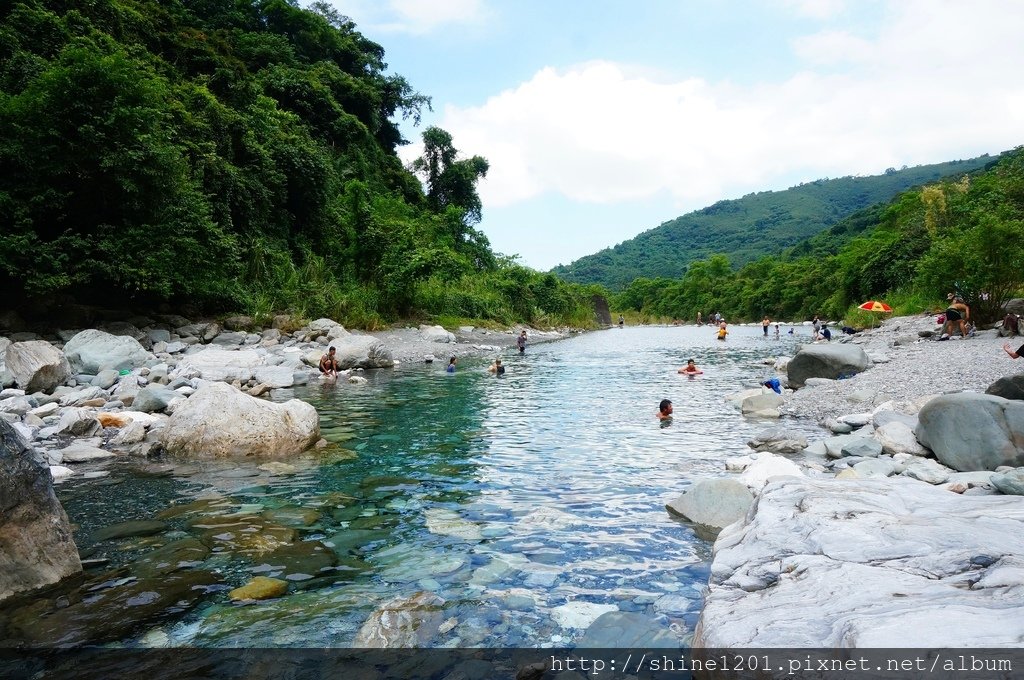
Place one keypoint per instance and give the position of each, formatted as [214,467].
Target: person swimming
[665,410]
[690,368]
[496,367]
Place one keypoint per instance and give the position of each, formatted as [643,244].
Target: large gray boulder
[37,366]
[714,503]
[355,351]
[826,361]
[862,563]
[38,548]
[92,351]
[1009,387]
[220,421]
[971,432]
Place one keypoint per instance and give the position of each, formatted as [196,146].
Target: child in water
[451,365]
[722,331]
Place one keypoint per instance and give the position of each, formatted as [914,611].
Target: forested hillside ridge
[960,235]
[236,155]
[745,229]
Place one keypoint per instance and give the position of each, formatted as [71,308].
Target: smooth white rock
[863,564]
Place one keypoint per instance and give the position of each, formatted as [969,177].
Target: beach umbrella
[874,306]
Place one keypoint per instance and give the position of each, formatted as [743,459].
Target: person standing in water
[521,342]
[776,331]
[497,368]
[665,410]
[690,368]
[451,365]
[622,321]
[765,322]
[722,331]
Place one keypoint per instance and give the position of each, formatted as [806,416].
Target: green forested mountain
[745,229]
[234,154]
[961,234]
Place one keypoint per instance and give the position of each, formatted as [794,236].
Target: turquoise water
[508,497]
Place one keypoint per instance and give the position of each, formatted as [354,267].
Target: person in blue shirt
[774,384]
[451,365]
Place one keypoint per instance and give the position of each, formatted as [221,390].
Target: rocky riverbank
[906,518]
[74,401]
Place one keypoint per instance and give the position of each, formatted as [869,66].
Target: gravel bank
[408,344]
[908,367]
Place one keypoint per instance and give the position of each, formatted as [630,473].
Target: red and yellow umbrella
[875,306]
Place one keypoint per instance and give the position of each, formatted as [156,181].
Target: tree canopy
[233,154]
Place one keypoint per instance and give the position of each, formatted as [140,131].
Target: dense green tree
[233,153]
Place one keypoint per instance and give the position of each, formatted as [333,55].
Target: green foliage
[961,234]
[759,224]
[234,154]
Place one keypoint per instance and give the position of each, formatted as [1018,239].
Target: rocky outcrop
[971,432]
[826,361]
[865,563]
[92,351]
[219,421]
[38,548]
[37,366]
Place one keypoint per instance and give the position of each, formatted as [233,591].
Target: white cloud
[938,81]
[818,9]
[411,16]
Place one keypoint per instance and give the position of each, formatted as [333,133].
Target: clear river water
[520,500]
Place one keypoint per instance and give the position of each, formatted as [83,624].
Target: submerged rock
[38,548]
[260,588]
[620,630]
[402,622]
[109,610]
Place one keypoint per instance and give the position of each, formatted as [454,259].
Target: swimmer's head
[665,406]
[689,362]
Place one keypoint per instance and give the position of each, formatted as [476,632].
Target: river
[514,499]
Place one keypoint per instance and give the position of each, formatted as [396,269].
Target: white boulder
[92,351]
[37,366]
[220,421]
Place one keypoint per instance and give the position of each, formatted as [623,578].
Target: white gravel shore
[907,367]
[407,345]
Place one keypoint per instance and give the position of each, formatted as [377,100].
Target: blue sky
[603,119]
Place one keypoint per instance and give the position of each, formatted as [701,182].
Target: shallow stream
[529,503]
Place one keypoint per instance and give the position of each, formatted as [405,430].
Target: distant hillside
[765,223]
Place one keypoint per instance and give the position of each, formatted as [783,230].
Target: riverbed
[527,503]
